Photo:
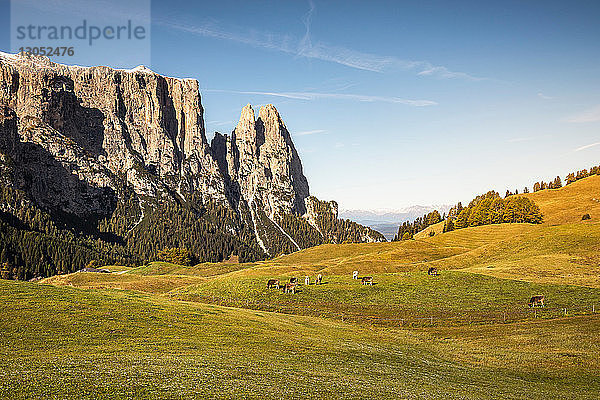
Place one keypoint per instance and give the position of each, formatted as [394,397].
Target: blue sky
[395,103]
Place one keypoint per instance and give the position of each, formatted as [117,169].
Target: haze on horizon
[393,104]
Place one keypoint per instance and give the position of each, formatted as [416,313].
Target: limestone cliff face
[261,163]
[136,123]
[114,150]
[8,128]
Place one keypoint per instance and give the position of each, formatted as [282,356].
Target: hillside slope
[569,203]
[113,344]
[563,249]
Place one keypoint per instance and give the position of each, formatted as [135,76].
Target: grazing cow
[273,283]
[433,271]
[319,279]
[306,280]
[367,280]
[289,288]
[536,300]
[293,280]
[355,275]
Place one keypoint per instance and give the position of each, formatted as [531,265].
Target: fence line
[445,317]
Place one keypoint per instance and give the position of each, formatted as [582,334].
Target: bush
[175,256]
[586,217]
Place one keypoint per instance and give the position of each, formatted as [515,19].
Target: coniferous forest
[37,243]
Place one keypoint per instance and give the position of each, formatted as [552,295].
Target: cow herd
[292,285]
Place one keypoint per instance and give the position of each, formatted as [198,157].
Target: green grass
[204,269]
[83,338]
[62,342]
[545,254]
[125,281]
[454,297]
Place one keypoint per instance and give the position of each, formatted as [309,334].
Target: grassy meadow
[215,331]
[63,342]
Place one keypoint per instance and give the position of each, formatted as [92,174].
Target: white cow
[306,280]
[355,275]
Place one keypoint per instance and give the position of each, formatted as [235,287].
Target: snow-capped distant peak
[392,215]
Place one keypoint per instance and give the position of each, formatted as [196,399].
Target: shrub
[586,217]
[175,256]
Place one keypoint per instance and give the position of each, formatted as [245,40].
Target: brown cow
[536,300]
[433,271]
[289,288]
[273,283]
[367,280]
[293,280]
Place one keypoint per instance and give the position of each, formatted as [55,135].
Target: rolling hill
[64,342]
[167,330]
[569,203]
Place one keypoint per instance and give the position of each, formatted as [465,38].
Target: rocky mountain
[115,164]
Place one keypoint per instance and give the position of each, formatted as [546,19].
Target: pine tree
[462,221]
[557,182]
[448,225]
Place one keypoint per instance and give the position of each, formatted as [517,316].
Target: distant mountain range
[387,221]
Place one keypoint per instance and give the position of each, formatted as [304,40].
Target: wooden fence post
[593,308]
[535,313]
[504,316]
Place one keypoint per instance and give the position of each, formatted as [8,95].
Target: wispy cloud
[306,47]
[543,96]
[337,96]
[587,146]
[220,123]
[591,115]
[313,132]
[520,139]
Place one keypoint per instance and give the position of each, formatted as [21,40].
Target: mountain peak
[269,112]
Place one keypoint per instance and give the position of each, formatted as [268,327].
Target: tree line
[407,230]
[557,182]
[489,208]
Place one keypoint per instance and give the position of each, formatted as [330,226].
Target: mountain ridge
[122,156]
